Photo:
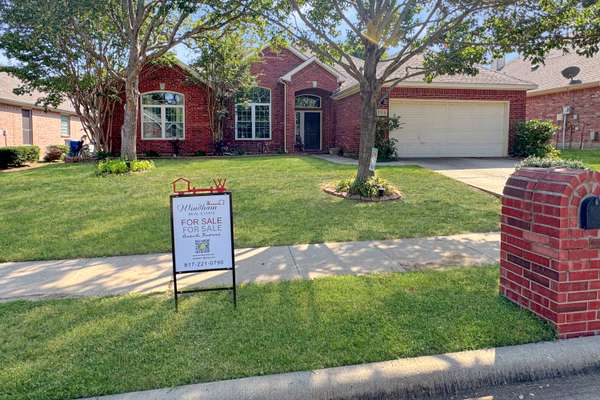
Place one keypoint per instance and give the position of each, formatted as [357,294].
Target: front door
[312,130]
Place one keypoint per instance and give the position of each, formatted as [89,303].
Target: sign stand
[202,233]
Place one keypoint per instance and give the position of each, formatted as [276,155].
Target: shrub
[151,154]
[55,152]
[533,139]
[550,162]
[386,147]
[200,153]
[16,156]
[369,188]
[115,167]
[102,155]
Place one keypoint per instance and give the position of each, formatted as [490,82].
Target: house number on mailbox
[589,213]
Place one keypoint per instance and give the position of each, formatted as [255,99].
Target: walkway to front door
[308,126]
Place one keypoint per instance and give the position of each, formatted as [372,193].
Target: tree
[545,25]
[150,28]
[223,64]
[422,38]
[51,59]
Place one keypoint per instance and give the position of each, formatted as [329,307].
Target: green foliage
[533,139]
[17,156]
[116,167]
[368,188]
[200,153]
[550,162]
[55,152]
[151,154]
[102,155]
[386,147]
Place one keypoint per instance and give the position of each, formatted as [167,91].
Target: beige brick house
[23,122]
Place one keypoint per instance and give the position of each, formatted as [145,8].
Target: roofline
[33,106]
[443,85]
[568,88]
[297,53]
[288,76]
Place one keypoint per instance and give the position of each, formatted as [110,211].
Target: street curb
[400,379]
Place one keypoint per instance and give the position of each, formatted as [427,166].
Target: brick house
[555,92]
[302,104]
[23,122]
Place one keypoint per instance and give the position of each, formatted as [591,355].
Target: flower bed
[374,189]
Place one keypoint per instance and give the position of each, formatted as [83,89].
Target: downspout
[285,150]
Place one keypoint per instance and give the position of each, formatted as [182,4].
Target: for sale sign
[202,232]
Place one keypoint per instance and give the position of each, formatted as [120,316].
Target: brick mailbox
[549,253]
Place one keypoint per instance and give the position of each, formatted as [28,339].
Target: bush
[16,156]
[200,153]
[550,162]
[369,188]
[533,139]
[55,152]
[386,147]
[102,155]
[115,167]
[151,154]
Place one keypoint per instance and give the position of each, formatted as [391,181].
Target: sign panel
[202,232]
[374,152]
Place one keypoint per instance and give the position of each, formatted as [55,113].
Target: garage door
[450,129]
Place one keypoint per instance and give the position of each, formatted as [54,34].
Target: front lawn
[590,157]
[65,211]
[70,348]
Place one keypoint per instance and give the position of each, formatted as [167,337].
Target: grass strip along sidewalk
[62,349]
[65,211]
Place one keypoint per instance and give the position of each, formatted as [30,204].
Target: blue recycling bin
[74,147]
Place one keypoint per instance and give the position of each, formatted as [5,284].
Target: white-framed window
[163,116]
[308,101]
[65,126]
[253,114]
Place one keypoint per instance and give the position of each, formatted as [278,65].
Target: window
[27,124]
[162,116]
[65,126]
[253,114]
[308,101]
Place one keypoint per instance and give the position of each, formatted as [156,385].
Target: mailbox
[589,213]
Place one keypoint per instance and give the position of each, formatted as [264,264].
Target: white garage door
[450,128]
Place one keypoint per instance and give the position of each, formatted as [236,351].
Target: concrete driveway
[488,174]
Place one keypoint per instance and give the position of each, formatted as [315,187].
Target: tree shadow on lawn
[71,348]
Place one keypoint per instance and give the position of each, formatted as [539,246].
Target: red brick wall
[586,104]
[348,117]
[268,70]
[547,263]
[198,135]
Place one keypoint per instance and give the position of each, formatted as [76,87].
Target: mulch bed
[330,189]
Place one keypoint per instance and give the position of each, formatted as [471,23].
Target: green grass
[68,348]
[65,211]
[590,157]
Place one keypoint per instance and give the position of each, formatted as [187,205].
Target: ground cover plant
[96,346]
[65,211]
[590,157]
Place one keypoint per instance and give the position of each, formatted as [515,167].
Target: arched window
[308,101]
[162,116]
[253,114]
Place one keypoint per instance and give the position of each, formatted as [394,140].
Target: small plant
[116,167]
[151,154]
[369,188]
[550,162]
[55,152]
[533,139]
[102,155]
[200,153]
[386,146]
[17,156]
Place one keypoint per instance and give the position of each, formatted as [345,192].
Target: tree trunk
[128,133]
[369,94]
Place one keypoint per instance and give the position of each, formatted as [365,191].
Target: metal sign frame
[232,288]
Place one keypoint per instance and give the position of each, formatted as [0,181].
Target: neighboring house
[555,92]
[300,99]
[23,122]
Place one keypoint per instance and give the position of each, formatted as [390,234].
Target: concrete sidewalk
[152,272]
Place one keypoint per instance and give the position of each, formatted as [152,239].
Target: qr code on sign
[203,246]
